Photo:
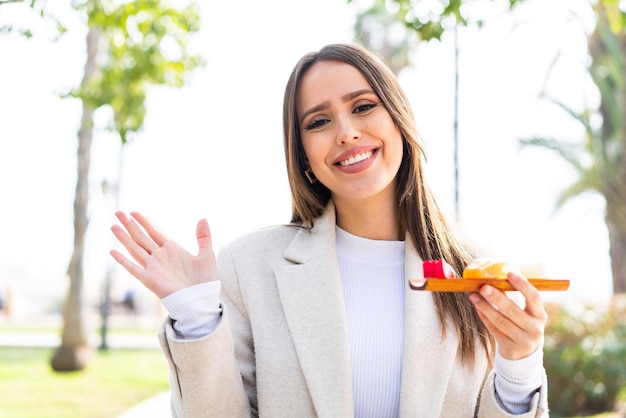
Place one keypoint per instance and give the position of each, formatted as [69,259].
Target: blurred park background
[521,105]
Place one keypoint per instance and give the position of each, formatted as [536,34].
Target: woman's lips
[356,158]
[357,162]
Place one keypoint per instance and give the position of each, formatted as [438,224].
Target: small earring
[309,175]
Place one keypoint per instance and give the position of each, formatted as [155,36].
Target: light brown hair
[419,217]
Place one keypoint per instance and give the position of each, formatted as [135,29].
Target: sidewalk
[45,332]
[45,339]
[157,406]
[48,339]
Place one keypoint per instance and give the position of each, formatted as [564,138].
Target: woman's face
[352,144]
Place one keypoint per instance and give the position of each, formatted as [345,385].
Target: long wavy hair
[420,216]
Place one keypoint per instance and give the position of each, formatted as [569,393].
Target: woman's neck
[370,219]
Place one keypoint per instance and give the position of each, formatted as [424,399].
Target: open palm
[162,265]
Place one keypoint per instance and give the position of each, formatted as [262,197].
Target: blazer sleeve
[489,406]
[214,375]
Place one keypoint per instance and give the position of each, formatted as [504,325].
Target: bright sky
[214,148]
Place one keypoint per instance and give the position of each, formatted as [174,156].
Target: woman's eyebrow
[357,93]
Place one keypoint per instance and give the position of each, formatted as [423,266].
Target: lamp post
[456,120]
[105,306]
[109,189]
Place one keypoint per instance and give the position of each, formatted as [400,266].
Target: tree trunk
[613,131]
[617,249]
[617,237]
[75,352]
[616,203]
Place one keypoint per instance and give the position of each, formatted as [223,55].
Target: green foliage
[616,14]
[380,31]
[585,359]
[146,44]
[112,383]
[430,19]
[37,7]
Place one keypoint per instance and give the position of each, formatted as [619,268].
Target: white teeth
[356,159]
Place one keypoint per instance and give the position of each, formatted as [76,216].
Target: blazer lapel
[312,298]
[428,357]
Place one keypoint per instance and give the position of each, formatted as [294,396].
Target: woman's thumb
[203,235]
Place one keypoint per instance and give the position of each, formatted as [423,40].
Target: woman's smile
[355,161]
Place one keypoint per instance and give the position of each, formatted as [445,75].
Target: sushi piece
[438,269]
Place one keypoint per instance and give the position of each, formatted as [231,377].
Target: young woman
[316,318]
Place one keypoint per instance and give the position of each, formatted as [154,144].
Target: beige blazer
[281,346]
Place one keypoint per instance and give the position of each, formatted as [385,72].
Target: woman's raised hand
[163,266]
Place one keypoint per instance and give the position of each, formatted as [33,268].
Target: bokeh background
[214,147]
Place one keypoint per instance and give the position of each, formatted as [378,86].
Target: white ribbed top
[372,273]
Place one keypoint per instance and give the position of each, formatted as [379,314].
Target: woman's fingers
[518,330]
[203,235]
[534,304]
[499,311]
[162,265]
[131,267]
[136,233]
[135,250]
[158,238]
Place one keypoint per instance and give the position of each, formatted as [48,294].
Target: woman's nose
[347,131]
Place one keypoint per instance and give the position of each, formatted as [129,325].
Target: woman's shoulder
[257,252]
[269,239]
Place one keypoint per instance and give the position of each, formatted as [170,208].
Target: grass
[114,381]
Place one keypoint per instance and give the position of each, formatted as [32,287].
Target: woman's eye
[316,123]
[365,107]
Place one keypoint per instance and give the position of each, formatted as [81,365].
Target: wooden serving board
[473,285]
